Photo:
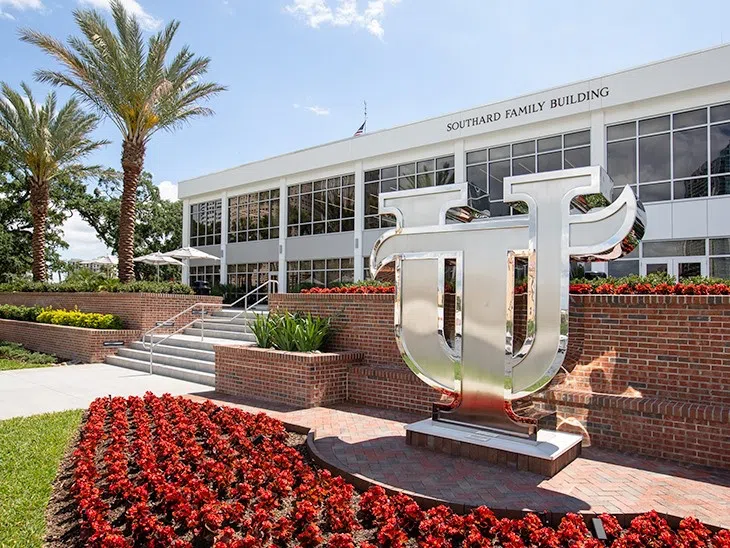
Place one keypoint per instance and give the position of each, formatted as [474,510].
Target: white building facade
[311,216]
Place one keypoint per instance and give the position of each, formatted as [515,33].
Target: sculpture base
[548,455]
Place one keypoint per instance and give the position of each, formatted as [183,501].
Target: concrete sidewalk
[33,391]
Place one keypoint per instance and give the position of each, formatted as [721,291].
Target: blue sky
[298,70]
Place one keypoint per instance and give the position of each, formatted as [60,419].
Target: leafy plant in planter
[291,332]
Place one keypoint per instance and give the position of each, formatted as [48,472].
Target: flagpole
[365,106]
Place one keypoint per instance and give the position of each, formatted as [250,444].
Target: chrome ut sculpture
[483,374]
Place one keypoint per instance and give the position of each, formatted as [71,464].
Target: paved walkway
[26,392]
[371,442]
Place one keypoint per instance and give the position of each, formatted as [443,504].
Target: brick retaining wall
[295,378]
[137,310]
[645,373]
[359,322]
[68,343]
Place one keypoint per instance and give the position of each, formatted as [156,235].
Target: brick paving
[371,442]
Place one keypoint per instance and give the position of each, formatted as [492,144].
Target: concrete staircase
[189,355]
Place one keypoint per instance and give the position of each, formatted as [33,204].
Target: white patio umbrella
[106,259]
[187,253]
[157,259]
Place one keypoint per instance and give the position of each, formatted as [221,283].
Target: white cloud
[168,191]
[316,109]
[82,240]
[146,21]
[345,14]
[319,111]
[20,5]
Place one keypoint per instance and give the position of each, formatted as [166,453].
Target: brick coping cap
[85,329]
[285,353]
[106,293]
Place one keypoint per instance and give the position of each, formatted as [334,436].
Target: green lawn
[14,356]
[7,365]
[30,451]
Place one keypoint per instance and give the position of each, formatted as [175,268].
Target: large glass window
[667,157]
[208,273]
[245,278]
[487,168]
[720,257]
[205,223]
[253,216]
[321,207]
[320,273]
[421,174]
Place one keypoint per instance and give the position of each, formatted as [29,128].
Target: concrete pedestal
[550,453]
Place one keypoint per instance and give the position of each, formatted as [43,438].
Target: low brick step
[181,373]
[167,359]
[220,334]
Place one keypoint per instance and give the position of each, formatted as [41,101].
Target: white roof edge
[454,113]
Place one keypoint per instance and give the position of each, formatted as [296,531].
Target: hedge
[74,318]
[111,286]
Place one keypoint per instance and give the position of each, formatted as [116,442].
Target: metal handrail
[149,332]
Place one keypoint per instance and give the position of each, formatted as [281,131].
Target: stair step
[191,341]
[230,312]
[223,326]
[181,373]
[207,366]
[171,349]
[220,334]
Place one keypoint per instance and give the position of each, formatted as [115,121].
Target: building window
[322,207]
[320,273]
[244,278]
[205,223]
[421,174]
[667,157]
[487,168]
[209,273]
[253,216]
[720,258]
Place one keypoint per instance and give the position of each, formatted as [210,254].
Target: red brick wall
[359,322]
[295,378]
[137,310]
[68,343]
[645,373]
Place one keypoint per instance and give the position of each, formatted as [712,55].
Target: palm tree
[133,86]
[43,144]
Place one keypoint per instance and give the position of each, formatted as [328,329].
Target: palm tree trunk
[39,211]
[132,162]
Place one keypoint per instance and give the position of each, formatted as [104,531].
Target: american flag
[360,130]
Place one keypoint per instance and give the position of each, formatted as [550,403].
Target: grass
[8,365]
[30,452]
[14,356]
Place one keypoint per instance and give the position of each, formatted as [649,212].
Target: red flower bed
[166,471]
[366,289]
[649,289]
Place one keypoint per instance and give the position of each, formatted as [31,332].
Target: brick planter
[137,310]
[295,378]
[68,343]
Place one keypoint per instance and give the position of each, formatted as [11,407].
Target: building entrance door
[679,267]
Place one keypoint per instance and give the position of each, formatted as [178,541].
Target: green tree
[44,143]
[16,222]
[159,222]
[132,85]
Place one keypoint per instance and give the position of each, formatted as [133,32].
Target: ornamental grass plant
[291,332]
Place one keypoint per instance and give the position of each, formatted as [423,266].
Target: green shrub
[291,332]
[263,329]
[16,352]
[653,280]
[22,313]
[94,284]
[76,318]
